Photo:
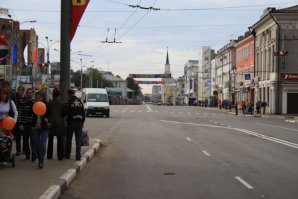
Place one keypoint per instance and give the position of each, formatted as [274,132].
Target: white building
[191,81]
[225,61]
[156,89]
[204,73]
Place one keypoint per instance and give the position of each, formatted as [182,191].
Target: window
[252,48]
[97,97]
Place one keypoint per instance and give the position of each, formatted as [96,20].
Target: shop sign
[288,77]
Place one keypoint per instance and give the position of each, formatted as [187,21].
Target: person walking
[6,85]
[263,106]
[16,131]
[258,106]
[40,131]
[57,126]
[236,108]
[7,108]
[75,120]
[25,119]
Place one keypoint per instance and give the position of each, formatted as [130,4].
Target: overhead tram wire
[102,48]
[168,9]
[137,22]
[116,2]
[123,24]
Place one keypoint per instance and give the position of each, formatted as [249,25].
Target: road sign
[149,82]
[150,75]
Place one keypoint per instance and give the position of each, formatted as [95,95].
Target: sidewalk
[27,181]
[291,118]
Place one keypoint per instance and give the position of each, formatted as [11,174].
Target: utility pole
[65,49]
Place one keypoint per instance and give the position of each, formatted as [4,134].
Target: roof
[167,60]
[269,11]
[111,77]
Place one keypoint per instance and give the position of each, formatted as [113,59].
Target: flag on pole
[77,10]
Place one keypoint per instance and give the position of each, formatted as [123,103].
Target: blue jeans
[77,128]
[39,138]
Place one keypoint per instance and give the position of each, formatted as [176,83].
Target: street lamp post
[50,43]
[82,65]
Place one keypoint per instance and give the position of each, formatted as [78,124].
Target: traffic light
[281,53]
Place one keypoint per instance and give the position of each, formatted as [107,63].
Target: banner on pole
[77,10]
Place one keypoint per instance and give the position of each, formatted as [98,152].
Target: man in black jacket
[75,120]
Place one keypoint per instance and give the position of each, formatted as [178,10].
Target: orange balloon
[8,123]
[39,108]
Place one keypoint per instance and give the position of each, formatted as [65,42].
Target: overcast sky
[182,26]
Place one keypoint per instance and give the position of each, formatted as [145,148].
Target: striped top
[25,110]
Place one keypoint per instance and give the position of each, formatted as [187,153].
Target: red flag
[77,10]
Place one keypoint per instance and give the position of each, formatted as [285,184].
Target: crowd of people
[33,133]
[243,106]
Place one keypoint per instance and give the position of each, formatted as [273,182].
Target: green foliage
[134,86]
[91,78]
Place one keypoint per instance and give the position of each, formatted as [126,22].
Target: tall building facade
[276,77]
[206,55]
[191,81]
[244,71]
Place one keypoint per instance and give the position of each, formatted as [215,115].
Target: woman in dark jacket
[58,126]
[40,131]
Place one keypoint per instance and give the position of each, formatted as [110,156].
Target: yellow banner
[78,2]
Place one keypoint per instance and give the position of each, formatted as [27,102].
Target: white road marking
[149,108]
[124,110]
[244,182]
[273,139]
[188,139]
[206,153]
[277,126]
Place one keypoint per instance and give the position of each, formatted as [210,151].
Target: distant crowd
[34,133]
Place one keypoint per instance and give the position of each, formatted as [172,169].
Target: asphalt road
[172,152]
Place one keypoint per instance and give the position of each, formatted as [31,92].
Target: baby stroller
[6,157]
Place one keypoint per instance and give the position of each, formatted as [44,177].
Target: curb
[55,191]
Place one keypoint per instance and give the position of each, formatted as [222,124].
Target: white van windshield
[96,97]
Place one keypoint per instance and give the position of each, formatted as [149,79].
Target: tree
[92,78]
[133,85]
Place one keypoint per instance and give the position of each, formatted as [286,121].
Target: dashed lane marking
[273,139]
[244,182]
[206,153]
[188,139]
[277,126]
